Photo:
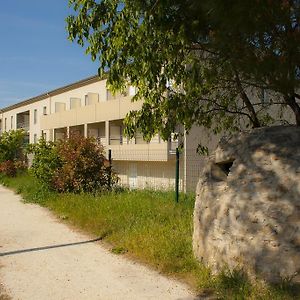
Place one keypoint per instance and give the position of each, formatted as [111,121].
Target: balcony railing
[101,140]
[23,125]
[116,140]
[173,146]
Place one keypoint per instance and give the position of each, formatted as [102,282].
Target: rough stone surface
[247,211]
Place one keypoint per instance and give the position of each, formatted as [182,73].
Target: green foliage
[195,62]
[12,154]
[76,164]
[46,161]
[150,227]
[8,168]
[84,166]
[12,145]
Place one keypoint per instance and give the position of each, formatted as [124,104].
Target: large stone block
[247,211]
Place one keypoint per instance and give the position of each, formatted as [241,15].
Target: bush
[46,161]
[12,146]
[84,168]
[11,168]
[76,164]
[8,168]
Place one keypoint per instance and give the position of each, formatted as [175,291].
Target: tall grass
[150,227]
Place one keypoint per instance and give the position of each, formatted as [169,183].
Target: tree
[195,62]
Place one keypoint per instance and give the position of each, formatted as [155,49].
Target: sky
[35,54]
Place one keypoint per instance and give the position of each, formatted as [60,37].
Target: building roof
[57,91]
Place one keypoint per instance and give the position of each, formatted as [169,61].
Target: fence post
[110,166]
[177,177]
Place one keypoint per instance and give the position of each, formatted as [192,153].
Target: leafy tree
[195,62]
[12,145]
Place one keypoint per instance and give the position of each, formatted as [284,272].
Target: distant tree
[195,62]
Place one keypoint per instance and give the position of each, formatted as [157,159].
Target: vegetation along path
[44,259]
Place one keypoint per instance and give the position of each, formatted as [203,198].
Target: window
[11,122]
[109,95]
[45,110]
[35,116]
[43,135]
[5,124]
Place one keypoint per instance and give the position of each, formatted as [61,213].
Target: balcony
[111,113]
[140,152]
[23,121]
[137,149]
[23,125]
[93,113]
[101,140]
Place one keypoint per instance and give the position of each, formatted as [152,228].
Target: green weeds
[149,227]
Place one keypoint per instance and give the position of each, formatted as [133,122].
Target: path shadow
[8,253]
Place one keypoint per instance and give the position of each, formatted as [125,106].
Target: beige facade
[88,108]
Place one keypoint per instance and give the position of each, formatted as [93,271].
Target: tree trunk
[295,108]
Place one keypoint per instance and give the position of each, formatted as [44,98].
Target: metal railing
[173,146]
[116,140]
[101,140]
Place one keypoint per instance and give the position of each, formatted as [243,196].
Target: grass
[149,227]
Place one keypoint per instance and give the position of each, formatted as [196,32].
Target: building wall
[148,175]
[98,87]
[35,128]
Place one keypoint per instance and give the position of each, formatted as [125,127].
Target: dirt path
[44,259]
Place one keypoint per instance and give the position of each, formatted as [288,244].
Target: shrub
[76,164]
[12,146]
[8,168]
[20,165]
[84,168]
[46,161]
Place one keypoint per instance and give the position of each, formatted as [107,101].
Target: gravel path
[44,259]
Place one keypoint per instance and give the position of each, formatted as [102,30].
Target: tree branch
[250,108]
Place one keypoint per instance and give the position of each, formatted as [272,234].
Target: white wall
[34,128]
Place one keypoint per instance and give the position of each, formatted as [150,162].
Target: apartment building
[88,108]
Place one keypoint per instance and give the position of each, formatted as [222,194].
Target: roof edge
[54,92]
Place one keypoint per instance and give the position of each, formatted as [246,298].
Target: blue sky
[35,54]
